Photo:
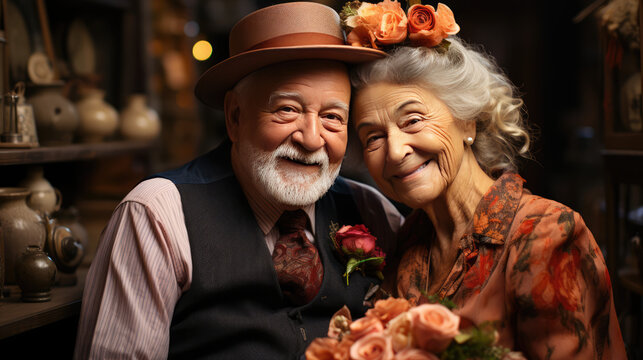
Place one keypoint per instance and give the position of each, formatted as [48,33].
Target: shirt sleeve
[140,270]
[558,282]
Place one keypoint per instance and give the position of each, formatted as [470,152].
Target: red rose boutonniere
[357,249]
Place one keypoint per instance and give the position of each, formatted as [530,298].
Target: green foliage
[475,343]
[435,299]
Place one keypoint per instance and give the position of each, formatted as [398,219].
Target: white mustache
[286,150]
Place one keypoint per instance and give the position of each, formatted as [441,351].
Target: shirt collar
[496,210]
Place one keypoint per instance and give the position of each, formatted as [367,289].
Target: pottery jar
[138,121]
[43,197]
[20,227]
[98,119]
[56,116]
[35,275]
[66,251]
[70,218]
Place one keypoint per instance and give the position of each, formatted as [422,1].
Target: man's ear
[231,111]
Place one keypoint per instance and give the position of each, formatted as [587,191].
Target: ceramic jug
[20,227]
[35,275]
[98,119]
[56,117]
[43,197]
[62,246]
[70,218]
[138,121]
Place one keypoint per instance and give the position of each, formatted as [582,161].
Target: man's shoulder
[152,190]
[209,167]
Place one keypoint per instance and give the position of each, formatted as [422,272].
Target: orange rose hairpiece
[385,24]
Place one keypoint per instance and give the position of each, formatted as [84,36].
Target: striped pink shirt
[143,265]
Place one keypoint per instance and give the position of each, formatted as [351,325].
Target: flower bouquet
[393,329]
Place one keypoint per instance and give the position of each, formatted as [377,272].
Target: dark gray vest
[234,308]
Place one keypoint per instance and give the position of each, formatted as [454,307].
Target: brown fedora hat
[275,34]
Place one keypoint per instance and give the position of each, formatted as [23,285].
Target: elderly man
[229,257]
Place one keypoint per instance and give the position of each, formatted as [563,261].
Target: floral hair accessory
[385,24]
[356,248]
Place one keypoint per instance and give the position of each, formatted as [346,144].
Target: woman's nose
[397,148]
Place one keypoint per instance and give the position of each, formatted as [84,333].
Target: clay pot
[98,119]
[56,116]
[21,227]
[35,275]
[62,246]
[43,197]
[139,122]
[70,218]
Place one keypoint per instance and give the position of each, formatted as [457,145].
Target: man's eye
[287,109]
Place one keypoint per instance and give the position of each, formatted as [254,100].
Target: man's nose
[308,134]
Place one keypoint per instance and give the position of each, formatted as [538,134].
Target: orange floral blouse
[529,264]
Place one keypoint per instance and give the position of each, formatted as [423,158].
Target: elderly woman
[442,132]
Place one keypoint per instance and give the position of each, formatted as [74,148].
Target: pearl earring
[468,140]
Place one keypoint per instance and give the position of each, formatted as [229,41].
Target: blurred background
[576,64]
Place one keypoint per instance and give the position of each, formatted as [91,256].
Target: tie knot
[292,221]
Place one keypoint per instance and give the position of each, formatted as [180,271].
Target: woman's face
[413,147]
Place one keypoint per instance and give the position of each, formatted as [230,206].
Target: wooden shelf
[17,316]
[72,152]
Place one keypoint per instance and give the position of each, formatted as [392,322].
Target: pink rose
[364,326]
[355,239]
[374,346]
[433,326]
[415,354]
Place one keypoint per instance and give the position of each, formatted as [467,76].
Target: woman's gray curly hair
[472,86]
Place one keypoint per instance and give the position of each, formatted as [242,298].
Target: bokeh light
[202,50]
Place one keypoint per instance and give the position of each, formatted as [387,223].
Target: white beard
[288,187]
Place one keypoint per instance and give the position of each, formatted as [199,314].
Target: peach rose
[433,326]
[374,346]
[415,354]
[322,349]
[421,17]
[393,24]
[399,331]
[428,27]
[383,23]
[387,309]
[364,326]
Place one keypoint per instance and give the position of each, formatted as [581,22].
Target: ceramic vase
[98,119]
[138,121]
[20,227]
[70,218]
[35,275]
[43,197]
[66,251]
[56,116]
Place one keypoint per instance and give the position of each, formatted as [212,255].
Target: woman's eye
[373,142]
[413,124]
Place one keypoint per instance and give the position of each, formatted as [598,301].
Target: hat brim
[217,80]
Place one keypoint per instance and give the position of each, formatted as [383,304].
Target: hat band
[299,39]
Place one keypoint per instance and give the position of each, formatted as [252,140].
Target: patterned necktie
[299,268]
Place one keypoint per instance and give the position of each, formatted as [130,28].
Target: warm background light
[202,50]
